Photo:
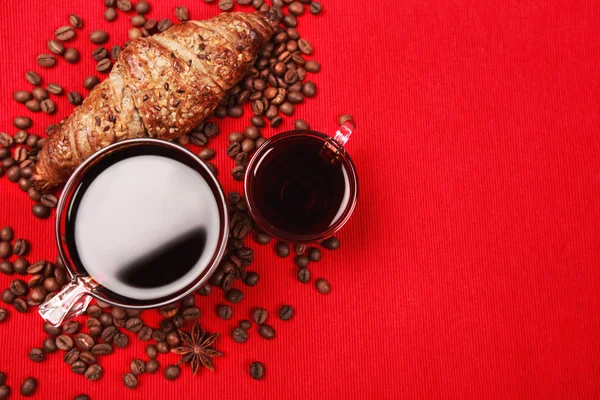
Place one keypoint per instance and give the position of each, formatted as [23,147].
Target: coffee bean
[151,366]
[309,89]
[207,154]
[110,14]
[217,278]
[290,21]
[314,254]
[198,138]
[78,367]
[142,7]
[90,82]
[239,335]
[260,315]
[12,175]
[304,275]
[223,311]
[4,392]
[294,98]
[130,380]
[46,60]
[24,183]
[20,305]
[2,378]
[83,341]
[276,121]
[248,145]
[33,105]
[182,13]
[22,122]
[225,5]
[266,331]
[6,267]
[204,290]
[71,356]
[332,243]
[301,124]
[64,33]
[99,37]
[101,349]
[52,330]
[40,211]
[29,387]
[55,89]
[322,286]
[104,65]
[305,46]
[8,297]
[235,111]
[137,366]
[287,108]
[82,397]
[191,314]
[134,33]
[100,53]
[172,372]
[94,311]
[48,106]
[286,312]
[19,287]
[22,96]
[33,78]
[74,98]
[64,342]
[20,153]
[282,249]
[238,173]
[145,333]
[138,21]
[49,346]
[36,355]
[164,24]
[93,372]
[70,327]
[134,324]
[257,370]
[75,21]
[296,8]
[120,340]
[124,5]
[315,7]
[173,339]
[37,295]
[49,200]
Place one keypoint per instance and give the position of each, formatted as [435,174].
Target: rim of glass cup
[273,231]
[67,195]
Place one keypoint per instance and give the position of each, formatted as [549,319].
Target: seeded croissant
[161,87]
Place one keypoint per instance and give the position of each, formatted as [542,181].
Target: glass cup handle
[343,133]
[68,303]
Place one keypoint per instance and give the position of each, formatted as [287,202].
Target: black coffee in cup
[143,224]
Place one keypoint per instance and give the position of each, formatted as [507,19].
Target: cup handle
[68,303]
[343,133]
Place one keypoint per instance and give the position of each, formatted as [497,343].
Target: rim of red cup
[69,191]
[265,224]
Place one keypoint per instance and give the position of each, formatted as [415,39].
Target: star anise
[196,348]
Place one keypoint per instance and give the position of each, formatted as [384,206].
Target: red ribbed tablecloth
[471,266]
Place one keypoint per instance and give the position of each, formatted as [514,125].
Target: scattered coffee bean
[29,387]
[48,106]
[99,37]
[234,295]
[6,267]
[145,333]
[314,254]
[134,33]
[204,290]
[4,392]
[224,311]
[151,366]
[22,96]
[296,8]
[332,243]
[93,372]
[104,65]
[83,341]
[282,249]
[7,234]
[304,275]
[8,297]
[75,21]
[64,342]
[100,53]
[49,346]
[71,356]
[305,46]
[312,66]
[239,335]
[164,24]
[55,89]
[301,124]
[110,14]
[323,286]
[173,339]
[46,60]
[20,305]
[22,122]
[137,366]
[33,105]
[74,98]
[260,315]
[182,14]
[207,154]
[134,324]
[191,314]
[266,331]
[3,315]
[225,5]
[290,21]
[90,82]
[19,287]
[120,340]
[294,98]
[64,33]
[52,330]
[286,312]
[40,211]
[130,380]
[315,7]
[49,200]
[238,173]
[33,78]
[257,370]
[70,327]
[124,5]
[101,349]
[172,372]
[138,21]
[142,7]
[276,121]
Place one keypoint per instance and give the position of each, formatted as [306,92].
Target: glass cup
[75,297]
[265,196]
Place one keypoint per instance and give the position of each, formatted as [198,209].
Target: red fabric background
[471,266]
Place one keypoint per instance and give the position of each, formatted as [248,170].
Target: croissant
[161,87]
